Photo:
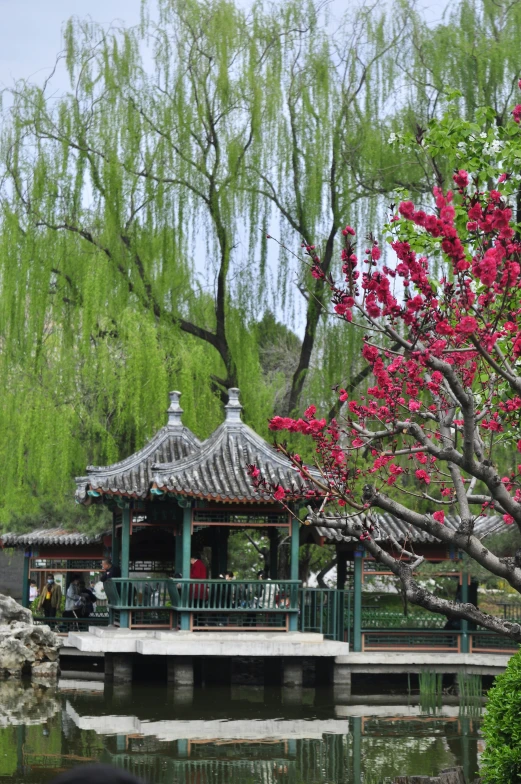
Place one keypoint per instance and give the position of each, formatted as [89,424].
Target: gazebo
[178,495]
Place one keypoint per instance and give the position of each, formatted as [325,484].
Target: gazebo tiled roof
[388,527]
[176,462]
[218,472]
[49,536]
[132,476]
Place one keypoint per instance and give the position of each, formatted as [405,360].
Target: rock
[14,655]
[46,669]
[23,644]
[11,611]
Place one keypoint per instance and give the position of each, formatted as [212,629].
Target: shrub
[501,760]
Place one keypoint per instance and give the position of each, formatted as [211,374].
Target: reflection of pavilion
[362,741]
[224,751]
[211,730]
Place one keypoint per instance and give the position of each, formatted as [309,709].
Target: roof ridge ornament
[233,408]
[175,412]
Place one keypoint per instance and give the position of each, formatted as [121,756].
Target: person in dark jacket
[109,571]
[96,774]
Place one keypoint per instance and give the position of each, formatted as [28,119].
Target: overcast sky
[30,30]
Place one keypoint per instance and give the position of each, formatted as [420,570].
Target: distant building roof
[388,527]
[49,536]
[132,476]
[215,470]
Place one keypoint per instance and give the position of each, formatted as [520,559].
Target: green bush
[501,760]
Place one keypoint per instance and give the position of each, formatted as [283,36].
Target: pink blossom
[439,517]
[406,209]
[348,230]
[279,493]
[467,325]
[343,396]
[508,519]
[310,412]
[356,443]
[423,476]
[461,178]
[414,405]
[503,177]
[516,113]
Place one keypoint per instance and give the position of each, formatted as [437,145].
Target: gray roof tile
[388,526]
[133,476]
[49,536]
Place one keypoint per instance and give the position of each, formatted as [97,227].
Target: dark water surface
[243,735]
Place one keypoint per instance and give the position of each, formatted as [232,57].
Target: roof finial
[175,412]
[233,407]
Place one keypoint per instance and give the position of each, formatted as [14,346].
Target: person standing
[109,571]
[72,599]
[33,591]
[50,598]
[197,572]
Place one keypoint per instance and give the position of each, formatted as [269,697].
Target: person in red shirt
[197,572]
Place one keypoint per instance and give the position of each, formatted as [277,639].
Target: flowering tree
[442,337]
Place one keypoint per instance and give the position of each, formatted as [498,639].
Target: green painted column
[25,578]
[187,551]
[224,534]
[464,624]
[341,569]
[124,616]
[216,552]
[357,600]
[115,543]
[274,552]
[295,546]
[179,550]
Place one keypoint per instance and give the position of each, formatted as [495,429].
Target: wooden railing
[236,604]
[442,640]
[326,611]
[61,625]
[138,593]
[235,595]
[252,605]
[233,604]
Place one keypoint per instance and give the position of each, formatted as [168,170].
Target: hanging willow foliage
[135,208]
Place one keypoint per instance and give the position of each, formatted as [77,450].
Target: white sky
[30,30]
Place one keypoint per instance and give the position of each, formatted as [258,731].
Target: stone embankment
[24,647]
[448,776]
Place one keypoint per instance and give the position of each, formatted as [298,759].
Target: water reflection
[249,735]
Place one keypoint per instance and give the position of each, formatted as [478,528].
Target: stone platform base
[417,661]
[207,644]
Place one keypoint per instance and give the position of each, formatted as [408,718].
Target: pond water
[242,734]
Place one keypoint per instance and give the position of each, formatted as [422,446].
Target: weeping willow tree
[132,257]
[135,208]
